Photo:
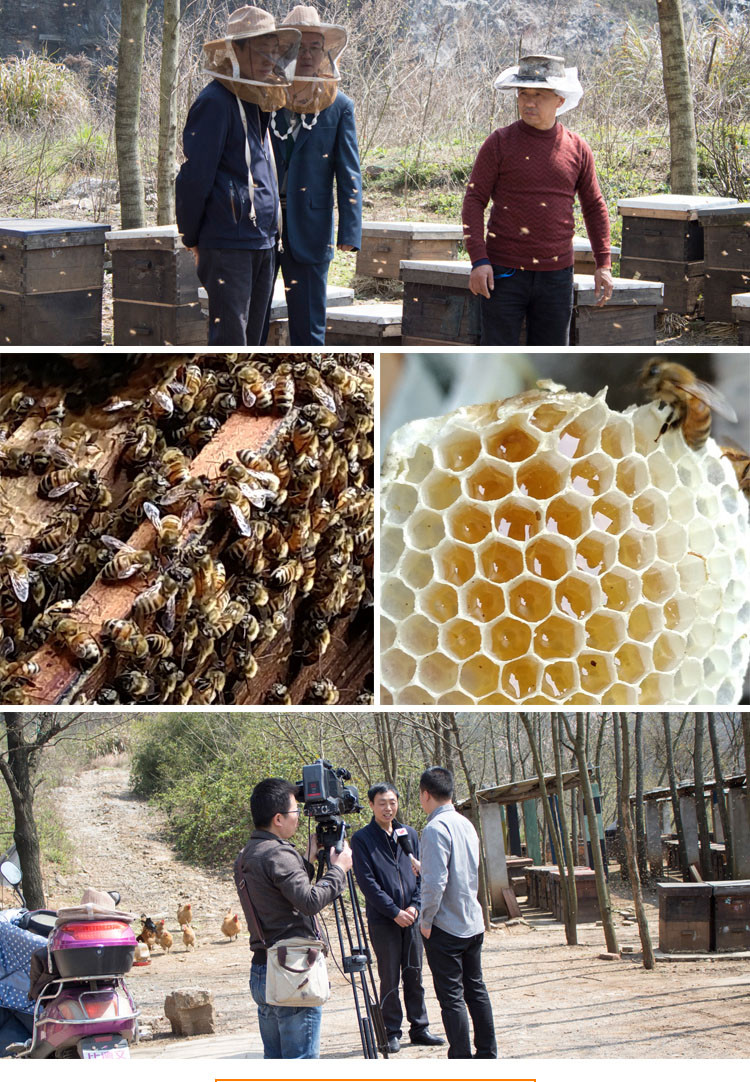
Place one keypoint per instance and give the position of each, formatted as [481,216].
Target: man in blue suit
[315,144]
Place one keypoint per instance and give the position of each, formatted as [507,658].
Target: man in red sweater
[532,170]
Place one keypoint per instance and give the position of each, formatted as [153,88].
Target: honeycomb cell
[595,553]
[414,695]
[579,699]
[559,679]
[438,602]
[496,700]
[424,530]
[549,558]
[440,490]
[387,633]
[568,515]
[707,503]
[479,677]
[500,562]
[689,472]
[693,573]
[593,475]
[661,471]
[620,695]
[650,508]
[460,639]
[482,602]
[557,637]
[611,513]
[458,449]
[420,463]
[659,583]
[668,651]
[656,690]
[708,601]
[399,502]
[488,481]
[605,631]
[386,698]
[631,476]
[391,547]
[632,662]
[679,613]
[548,416]
[511,442]
[671,542]
[542,476]
[700,638]
[701,537]
[455,698]
[418,635]
[637,549]
[681,504]
[517,520]
[729,499]
[530,600]
[617,438]
[509,639]
[645,622]
[521,678]
[397,668]
[454,563]
[596,672]
[438,672]
[468,523]
[581,436]
[621,589]
[396,600]
[576,596]
[416,569]
[720,566]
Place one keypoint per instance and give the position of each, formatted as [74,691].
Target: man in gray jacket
[451,920]
[285,902]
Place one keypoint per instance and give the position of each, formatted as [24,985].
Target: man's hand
[343,859]
[426,932]
[416,865]
[405,918]
[482,280]
[313,848]
[346,247]
[195,253]
[603,284]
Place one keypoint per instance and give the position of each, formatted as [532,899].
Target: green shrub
[34,89]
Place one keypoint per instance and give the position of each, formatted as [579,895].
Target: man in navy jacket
[388,877]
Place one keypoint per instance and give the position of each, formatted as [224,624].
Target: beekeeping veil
[255,58]
[543,73]
[317,76]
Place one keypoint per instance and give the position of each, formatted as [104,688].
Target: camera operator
[285,902]
[385,857]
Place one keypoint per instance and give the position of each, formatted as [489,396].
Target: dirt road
[550,1001]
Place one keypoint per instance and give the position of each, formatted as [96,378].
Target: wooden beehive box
[629,317]
[385,244]
[367,325]
[727,258]
[741,315]
[584,262]
[683,282]
[731,916]
[684,917]
[588,902]
[51,278]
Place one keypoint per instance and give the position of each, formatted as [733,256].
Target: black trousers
[399,955]
[239,283]
[543,298]
[456,967]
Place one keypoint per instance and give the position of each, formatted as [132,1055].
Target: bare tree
[681,843]
[627,831]
[726,825]
[128,112]
[640,825]
[567,873]
[700,799]
[682,136]
[167,158]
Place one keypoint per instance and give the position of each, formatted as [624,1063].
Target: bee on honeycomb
[547,550]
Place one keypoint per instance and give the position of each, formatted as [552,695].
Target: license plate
[104,1048]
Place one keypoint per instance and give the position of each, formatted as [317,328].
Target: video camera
[326,799]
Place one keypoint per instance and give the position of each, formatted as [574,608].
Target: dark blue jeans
[286,1032]
[305,291]
[456,966]
[239,283]
[543,298]
[399,955]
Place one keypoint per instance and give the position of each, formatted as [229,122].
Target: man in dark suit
[315,144]
[385,859]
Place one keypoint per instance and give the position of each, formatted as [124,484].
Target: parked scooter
[85,1010]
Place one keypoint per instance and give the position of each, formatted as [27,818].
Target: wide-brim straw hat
[306,19]
[252,22]
[94,905]
[543,73]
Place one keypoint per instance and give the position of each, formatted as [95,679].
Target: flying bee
[255,389]
[15,461]
[740,463]
[127,562]
[691,400]
[16,567]
[323,692]
[160,595]
[57,483]
[278,695]
[283,388]
[82,645]
[126,638]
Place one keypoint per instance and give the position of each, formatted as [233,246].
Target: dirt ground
[549,1000]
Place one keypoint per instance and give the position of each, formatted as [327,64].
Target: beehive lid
[583,244]
[685,890]
[381,315]
[454,272]
[741,300]
[335,295]
[626,291]
[412,230]
[737,214]
[50,232]
[670,206]
[153,238]
[738,887]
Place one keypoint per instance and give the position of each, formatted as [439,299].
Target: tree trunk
[682,136]
[681,845]
[700,800]
[726,825]
[621,855]
[128,111]
[167,166]
[449,719]
[18,774]
[640,825]
[627,830]
[568,880]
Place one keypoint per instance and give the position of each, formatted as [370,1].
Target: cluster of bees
[255,562]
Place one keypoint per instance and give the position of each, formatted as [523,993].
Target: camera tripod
[357,963]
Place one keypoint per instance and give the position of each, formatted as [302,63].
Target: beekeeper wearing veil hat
[315,144]
[227,196]
[531,172]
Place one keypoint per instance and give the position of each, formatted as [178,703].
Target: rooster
[230,926]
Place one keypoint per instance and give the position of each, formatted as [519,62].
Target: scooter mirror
[115,896]
[11,873]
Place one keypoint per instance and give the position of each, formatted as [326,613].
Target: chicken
[230,926]
[188,937]
[148,932]
[163,937]
[185,914]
